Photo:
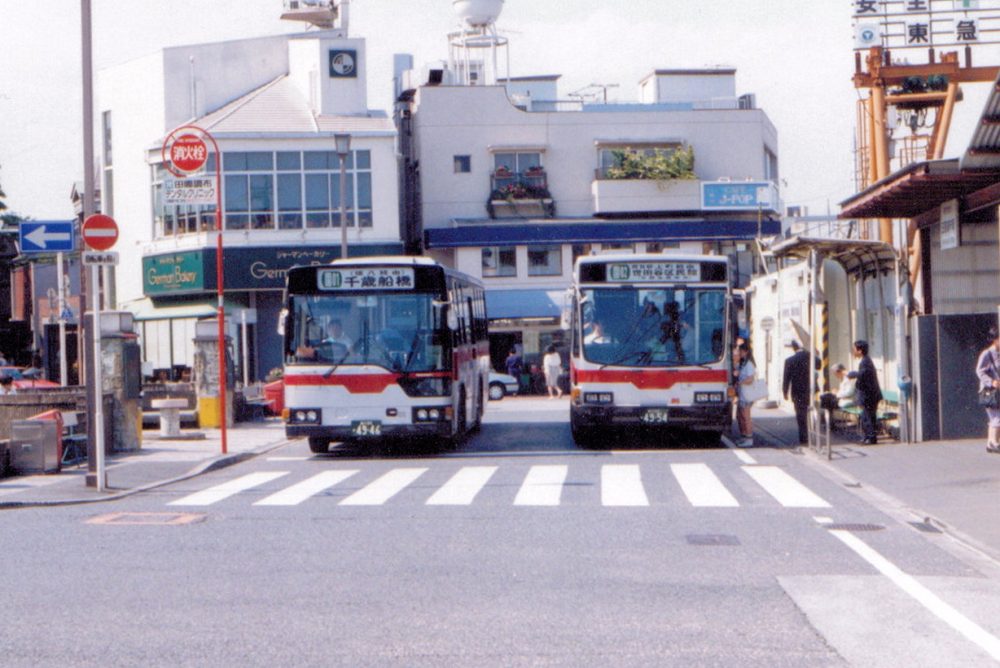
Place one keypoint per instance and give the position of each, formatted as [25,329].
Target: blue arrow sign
[46,236]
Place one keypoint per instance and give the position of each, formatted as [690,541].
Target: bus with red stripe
[650,336]
[383,347]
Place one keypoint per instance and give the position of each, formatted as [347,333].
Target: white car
[502,384]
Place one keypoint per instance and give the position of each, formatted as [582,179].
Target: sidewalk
[953,485]
[156,463]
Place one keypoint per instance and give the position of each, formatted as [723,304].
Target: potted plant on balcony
[501,172]
[535,170]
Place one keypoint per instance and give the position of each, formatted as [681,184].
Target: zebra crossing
[542,485]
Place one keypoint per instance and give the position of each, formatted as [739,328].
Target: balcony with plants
[646,180]
[519,194]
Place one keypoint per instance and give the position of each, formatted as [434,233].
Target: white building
[510,183]
[273,105]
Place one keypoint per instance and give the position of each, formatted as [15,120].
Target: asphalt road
[515,549]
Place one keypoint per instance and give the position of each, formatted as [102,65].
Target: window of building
[463,164]
[499,261]
[660,246]
[581,249]
[265,190]
[623,247]
[516,162]
[544,260]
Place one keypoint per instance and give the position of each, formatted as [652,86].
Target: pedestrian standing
[867,392]
[515,367]
[7,385]
[988,371]
[796,380]
[552,363]
[743,375]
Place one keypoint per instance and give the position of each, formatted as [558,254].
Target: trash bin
[36,444]
[274,393]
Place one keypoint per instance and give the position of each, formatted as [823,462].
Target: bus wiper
[337,363]
[412,354]
[624,358]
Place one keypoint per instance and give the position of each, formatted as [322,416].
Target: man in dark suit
[867,392]
[796,379]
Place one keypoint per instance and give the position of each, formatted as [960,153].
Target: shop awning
[147,309]
[514,304]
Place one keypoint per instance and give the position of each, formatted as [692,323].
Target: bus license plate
[366,428]
[655,416]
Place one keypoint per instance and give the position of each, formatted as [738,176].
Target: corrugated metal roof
[983,151]
[278,107]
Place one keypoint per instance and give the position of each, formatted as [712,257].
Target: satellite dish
[477,13]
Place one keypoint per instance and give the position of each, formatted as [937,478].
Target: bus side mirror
[283,322]
[567,311]
[450,315]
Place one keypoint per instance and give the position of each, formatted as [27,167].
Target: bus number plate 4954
[366,428]
[655,416]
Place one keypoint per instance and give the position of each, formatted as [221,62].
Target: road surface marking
[286,458]
[542,486]
[621,485]
[299,492]
[463,487]
[702,487]
[207,497]
[384,488]
[949,615]
[744,456]
[787,490]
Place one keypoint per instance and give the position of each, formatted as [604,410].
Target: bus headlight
[598,398]
[431,414]
[305,416]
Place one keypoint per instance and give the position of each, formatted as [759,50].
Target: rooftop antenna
[320,14]
[477,31]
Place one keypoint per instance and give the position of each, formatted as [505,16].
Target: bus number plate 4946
[655,416]
[366,428]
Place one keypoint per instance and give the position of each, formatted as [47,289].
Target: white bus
[383,347]
[650,339]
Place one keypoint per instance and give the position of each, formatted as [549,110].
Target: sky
[795,55]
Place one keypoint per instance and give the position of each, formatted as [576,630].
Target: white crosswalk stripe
[702,487]
[621,485]
[788,491]
[384,488]
[207,497]
[463,487]
[296,494]
[542,486]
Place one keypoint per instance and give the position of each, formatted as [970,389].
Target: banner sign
[912,24]
[741,195]
[189,191]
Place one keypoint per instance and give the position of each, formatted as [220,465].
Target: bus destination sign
[365,278]
[647,272]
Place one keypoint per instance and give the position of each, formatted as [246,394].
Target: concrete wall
[966,279]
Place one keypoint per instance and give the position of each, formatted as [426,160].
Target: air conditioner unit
[748,101]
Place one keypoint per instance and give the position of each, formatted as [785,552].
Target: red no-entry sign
[100,232]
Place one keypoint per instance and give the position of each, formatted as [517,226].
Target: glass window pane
[288,160]
[544,260]
[526,161]
[335,191]
[364,190]
[260,161]
[237,196]
[261,192]
[318,219]
[365,218]
[237,222]
[364,159]
[234,161]
[463,164]
[507,160]
[262,221]
[290,221]
[317,192]
[289,192]
[315,160]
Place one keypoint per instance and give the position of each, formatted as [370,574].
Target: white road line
[207,497]
[621,485]
[787,490]
[288,459]
[542,486]
[461,490]
[299,492]
[949,615]
[744,456]
[381,490]
[702,487]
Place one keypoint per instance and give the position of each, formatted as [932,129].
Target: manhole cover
[157,519]
[854,527]
[712,539]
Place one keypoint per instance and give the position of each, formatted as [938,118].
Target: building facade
[273,105]
[511,184]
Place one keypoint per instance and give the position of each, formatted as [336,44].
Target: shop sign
[736,196]
[950,236]
[174,273]
[189,191]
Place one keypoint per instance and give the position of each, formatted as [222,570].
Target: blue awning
[494,233]
[511,304]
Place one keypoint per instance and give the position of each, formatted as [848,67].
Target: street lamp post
[343,143]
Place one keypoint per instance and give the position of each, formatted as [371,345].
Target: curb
[207,466]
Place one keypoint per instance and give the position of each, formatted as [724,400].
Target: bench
[887,412]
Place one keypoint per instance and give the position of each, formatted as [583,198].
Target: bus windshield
[400,332]
[653,326]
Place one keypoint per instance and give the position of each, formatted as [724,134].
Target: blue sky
[795,55]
